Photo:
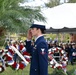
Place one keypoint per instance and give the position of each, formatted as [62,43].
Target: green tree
[72,1]
[13,17]
[52,3]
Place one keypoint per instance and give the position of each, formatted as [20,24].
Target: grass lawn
[10,71]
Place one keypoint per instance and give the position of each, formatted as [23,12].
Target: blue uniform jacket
[39,53]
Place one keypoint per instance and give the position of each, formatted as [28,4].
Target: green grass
[10,71]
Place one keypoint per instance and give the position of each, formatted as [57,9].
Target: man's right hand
[29,35]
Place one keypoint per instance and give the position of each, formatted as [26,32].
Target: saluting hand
[29,35]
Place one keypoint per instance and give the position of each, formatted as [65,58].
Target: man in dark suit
[39,52]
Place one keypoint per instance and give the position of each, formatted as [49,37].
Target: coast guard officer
[39,52]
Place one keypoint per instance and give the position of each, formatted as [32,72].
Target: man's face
[34,31]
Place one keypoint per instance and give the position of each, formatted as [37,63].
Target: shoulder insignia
[42,51]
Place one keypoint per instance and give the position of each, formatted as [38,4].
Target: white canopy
[63,15]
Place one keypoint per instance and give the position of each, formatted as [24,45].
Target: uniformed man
[39,52]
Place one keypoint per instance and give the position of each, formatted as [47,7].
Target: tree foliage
[52,3]
[15,18]
[72,1]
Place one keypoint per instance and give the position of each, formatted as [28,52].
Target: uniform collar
[38,37]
